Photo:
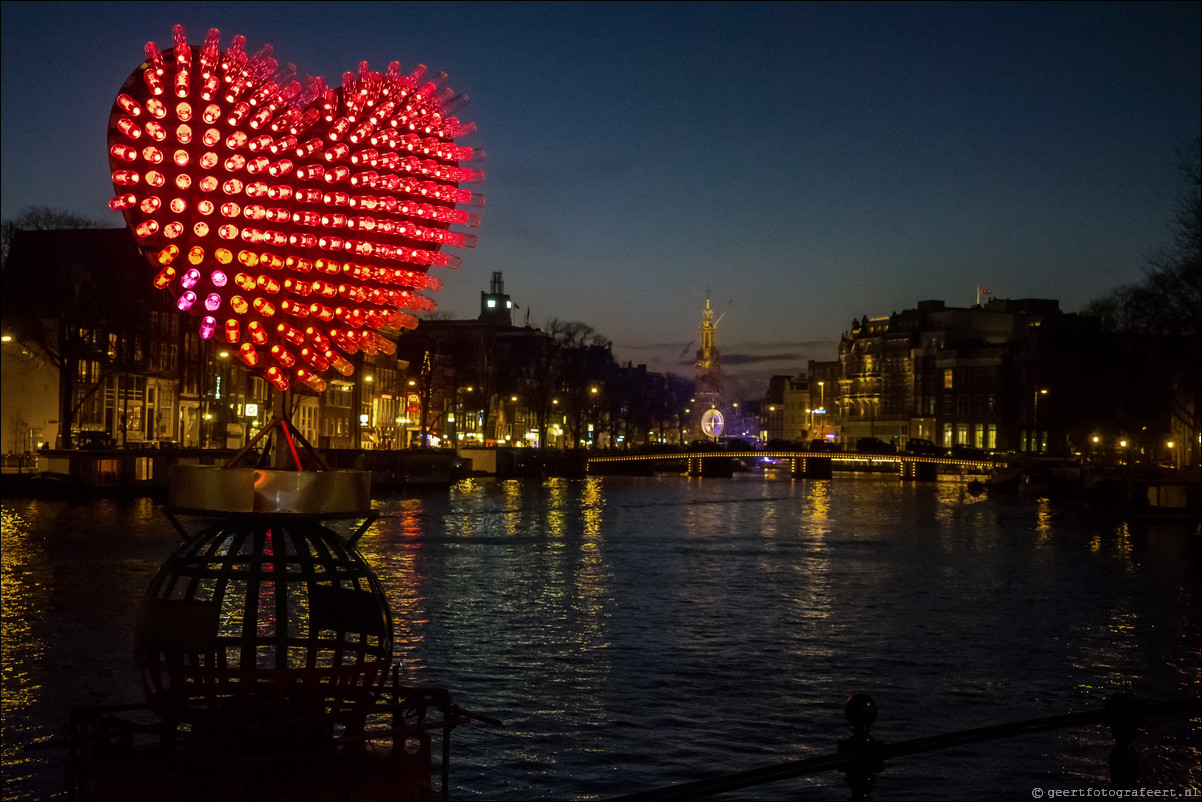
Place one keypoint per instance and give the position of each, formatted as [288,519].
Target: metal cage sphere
[262,617]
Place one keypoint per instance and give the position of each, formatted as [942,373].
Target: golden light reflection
[24,594]
[1043,520]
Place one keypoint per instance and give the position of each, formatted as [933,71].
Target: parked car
[961,451]
[874,445]
[923,448]
[94,440]
[821,444]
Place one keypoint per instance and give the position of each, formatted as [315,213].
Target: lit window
[492,303]
[947,379]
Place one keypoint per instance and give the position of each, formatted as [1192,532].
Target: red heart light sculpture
[293,220]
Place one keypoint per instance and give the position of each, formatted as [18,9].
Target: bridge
[802,464]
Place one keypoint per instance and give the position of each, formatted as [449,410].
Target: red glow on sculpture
[359,181]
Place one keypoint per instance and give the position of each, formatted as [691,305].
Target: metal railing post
[1124,716]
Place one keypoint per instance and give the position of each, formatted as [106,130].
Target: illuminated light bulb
[224,255]
[181,158]
[386,345]
[321,312]
[347,344]
[232,187]
[318,339]
[257,165]
[314,382]
[236,140]
[183,112]
[156,131]
[156,107]
[173,229]
[282,167]
[311,172]
[283,356]
[309,147]
[303,240]
[208,184]
[128,127]
[129,105]
[122,202]
[155,179]
[183,181]
[277,378]
[315,358]
[230,209]
[308,195]
[337,199]
[339,151]
[181,83]
[261,118]
[295,285]
[147,228]
[164,277]
[290,333]
[208,327]
[331,243]
[212,302]
[233,331]
[218,278]
[256,189]
[328,266]
[271,260]
[245,281]
[254,212]
[249,355]
[261,142]
[264,307]
[185,301]
[153,82]
[268,284]
[210,115]
[235,162]
[227,231]
[201,229]
[150,204]
[196,255]
[152,154]
[178,205]
[208,161]
[124,152]
[257,333]
[299,311]
[279,192]
[190,278]
[239,304]
[339,173]
[339,363]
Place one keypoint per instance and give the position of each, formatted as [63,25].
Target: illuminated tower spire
[708,390]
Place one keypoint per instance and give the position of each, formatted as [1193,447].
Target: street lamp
[822,409]
[1035,421]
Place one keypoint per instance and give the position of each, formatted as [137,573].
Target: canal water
[634,632]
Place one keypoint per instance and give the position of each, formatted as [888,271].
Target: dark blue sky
[809,163]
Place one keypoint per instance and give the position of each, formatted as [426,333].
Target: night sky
[803,164]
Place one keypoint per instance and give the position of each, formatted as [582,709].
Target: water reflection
[633,632]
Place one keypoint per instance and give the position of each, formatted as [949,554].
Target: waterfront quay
[638,632]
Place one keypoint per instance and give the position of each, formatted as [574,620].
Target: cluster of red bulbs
[293,220]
